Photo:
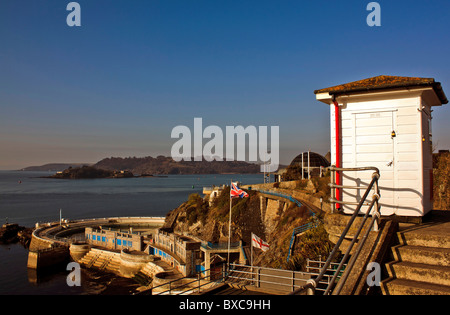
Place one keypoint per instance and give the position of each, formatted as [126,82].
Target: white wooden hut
[385,122]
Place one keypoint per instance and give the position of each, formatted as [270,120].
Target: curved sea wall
[131,262]
[79,250]
[45,253]
[49,244]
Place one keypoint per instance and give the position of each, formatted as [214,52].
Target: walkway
[437,226]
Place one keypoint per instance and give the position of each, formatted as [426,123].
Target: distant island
[89,172]
[116,167]
[53,167]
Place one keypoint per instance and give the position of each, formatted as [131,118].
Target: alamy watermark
[74,17]
[190,146]
[374,277]
[74,277]
[374,17]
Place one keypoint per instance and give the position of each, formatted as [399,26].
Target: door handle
[390,163]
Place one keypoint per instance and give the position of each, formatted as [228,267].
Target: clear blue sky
[117,85]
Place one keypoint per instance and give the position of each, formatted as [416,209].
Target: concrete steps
[114,264]
[421,263]
[142,279]
[410,287]
[89,259]
[422,254]
[102,260]
[420,272]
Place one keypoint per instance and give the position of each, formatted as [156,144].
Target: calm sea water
[26,198]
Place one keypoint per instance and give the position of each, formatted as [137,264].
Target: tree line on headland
[116,167]
[162,165]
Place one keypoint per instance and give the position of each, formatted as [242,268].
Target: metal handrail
[361,243]
[223,245]
[285,196]
[253,272]
[170,283]
[312,284]
[298,230]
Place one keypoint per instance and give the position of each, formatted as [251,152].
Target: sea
[28,198]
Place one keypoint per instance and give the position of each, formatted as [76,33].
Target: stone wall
[132,262]
[45,253]
[151,269]
[78,251]
[291,188]
[38,243]
[45,258]
[113,239]
[273,211]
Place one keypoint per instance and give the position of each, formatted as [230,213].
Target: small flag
[236,192]
[259,243]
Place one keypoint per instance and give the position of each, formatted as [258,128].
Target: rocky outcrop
[89,172]
[271,218]
[196,218]
[13,233]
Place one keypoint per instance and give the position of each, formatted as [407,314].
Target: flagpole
[251,254]
[229,228]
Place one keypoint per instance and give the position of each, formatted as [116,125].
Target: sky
[118,84]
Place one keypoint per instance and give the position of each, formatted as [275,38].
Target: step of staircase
[422,254]
[426,239]
[410,287]
[420,272]
[421,263]
[99,262]
[113,265]
[141,278]
[87,259]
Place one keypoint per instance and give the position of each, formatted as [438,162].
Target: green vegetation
[293,172]
[166,165]
[313,244]
[196,210]
[221,205]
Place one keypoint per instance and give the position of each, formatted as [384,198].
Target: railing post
[377,208]
[258,277]
[293,281]
[333,190]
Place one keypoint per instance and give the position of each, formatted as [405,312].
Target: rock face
[271,219]
[196,218]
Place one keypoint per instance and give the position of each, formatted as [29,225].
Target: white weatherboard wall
[404,161]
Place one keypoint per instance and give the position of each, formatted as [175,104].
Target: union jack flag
[236,192]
